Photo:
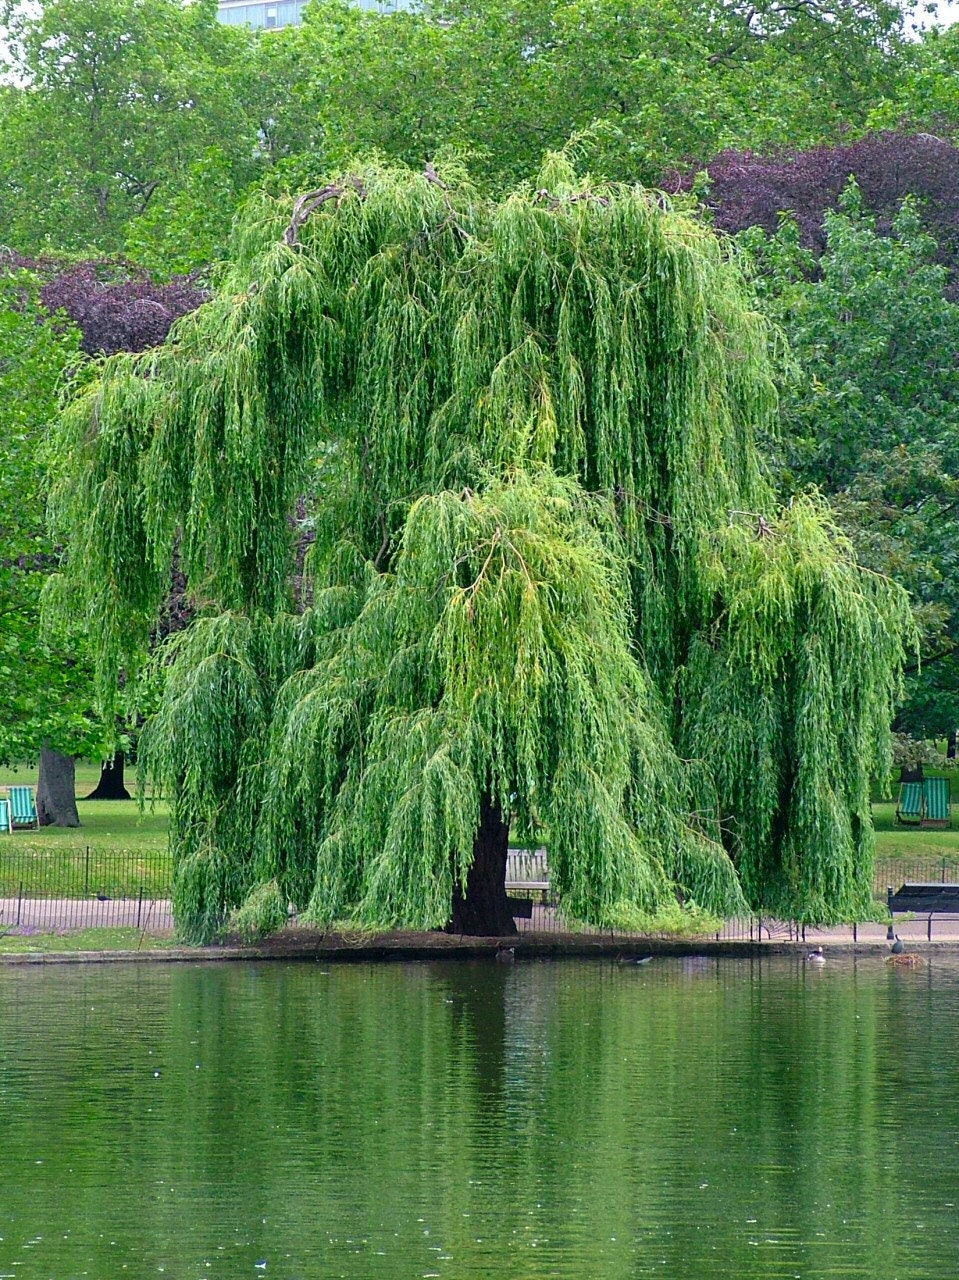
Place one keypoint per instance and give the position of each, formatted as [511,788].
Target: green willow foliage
[525,434]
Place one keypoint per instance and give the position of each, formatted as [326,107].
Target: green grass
[83,940]
[912,844]
[127,851]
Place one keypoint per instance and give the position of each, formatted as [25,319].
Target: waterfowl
[506,955]
[633,959]
[897,947]
[816,957]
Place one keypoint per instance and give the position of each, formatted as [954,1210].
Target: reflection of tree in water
[478,1018]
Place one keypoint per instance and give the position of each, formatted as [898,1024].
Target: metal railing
[83,887]
[89,888]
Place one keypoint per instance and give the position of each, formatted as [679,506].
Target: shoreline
[304,945]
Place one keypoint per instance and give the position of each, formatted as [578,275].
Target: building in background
[286,13]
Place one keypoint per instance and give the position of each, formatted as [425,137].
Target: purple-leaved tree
[747,189]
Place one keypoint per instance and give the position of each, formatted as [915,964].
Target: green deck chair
[5,823]
[909,804]
[936,807]
[23,811]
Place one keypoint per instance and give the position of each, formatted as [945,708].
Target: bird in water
[506,955]
[633,959]
[897,947]
[816,957]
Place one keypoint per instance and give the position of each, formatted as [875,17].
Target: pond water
[687,1118]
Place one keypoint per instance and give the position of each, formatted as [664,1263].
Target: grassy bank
[36,942]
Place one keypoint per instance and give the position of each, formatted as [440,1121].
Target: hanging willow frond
[420,366]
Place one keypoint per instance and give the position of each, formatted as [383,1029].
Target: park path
[54,914]
[156,915]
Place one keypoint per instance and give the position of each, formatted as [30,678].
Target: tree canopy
[870,415]
[47,680]
[549,579]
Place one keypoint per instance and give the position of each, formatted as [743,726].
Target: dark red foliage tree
[115,305]
[746,189]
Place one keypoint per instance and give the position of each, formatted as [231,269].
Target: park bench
[527,880]
[5,823]
[924,900]
[925,804]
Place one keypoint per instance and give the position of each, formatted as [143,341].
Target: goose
[816,957]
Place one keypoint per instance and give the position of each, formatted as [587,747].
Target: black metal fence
[84,887]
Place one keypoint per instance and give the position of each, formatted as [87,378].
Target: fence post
[19,901]
[139,906]
[890,931]
[86,873]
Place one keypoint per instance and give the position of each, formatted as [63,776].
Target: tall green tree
[870,414]
[117,109]
[549,580]
[647,86]
[47,679]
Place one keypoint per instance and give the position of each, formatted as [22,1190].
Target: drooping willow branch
[524,428]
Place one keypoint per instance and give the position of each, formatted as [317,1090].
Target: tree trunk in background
[484,910]
[951,744]
[56,790]
[111,785]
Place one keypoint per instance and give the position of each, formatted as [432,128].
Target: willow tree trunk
[111,785]
[951,744]
[483,911]
[56,790]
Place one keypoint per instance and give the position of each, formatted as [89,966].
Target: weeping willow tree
[548,581]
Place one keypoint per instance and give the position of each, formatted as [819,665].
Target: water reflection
[694,1118]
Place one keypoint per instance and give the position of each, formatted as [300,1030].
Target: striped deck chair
[909,804]
[23,810]
[936,806]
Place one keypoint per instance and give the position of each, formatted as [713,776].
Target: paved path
[53,915]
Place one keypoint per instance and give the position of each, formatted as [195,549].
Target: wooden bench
[527,880]
[924,900]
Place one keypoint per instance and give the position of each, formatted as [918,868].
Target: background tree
[747,189]
[47,679]
[871,413]
[116,108]
[485,638]
[645,86]
[112,307]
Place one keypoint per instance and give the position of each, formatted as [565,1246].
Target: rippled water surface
[691,1119]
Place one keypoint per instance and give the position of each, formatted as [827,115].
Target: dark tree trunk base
[111,785]
[483,911]
[56,790]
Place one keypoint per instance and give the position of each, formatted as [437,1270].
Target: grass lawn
[83,940]
[116,850]
[925,854]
